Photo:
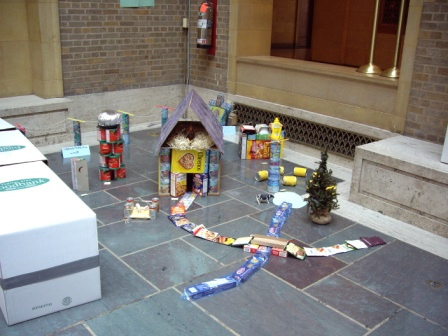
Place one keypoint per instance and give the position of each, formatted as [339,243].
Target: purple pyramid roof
[206,117]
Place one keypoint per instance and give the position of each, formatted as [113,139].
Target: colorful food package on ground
[187,199]
[178,209]
[252,265]
[209,288]
[372,241]
[254,248]
[225,240]
[316,251]
[296,250]
[357,244]
[204,233]
[339,248]
[242,241]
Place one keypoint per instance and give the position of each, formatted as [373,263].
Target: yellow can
[299,171]
[289,180]
[262,175]
[282,170]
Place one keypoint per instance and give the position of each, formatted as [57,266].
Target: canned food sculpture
[110,146]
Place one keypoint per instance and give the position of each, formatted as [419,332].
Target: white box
[48,244]
[6,126]
[16,148]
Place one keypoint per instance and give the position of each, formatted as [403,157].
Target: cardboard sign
[80,174]
[75,151]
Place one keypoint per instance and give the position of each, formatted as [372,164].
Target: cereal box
[188,161]
[200,184]
[257,149]
[178,184]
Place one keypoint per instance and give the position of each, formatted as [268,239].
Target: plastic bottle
[276,130]
[164,115]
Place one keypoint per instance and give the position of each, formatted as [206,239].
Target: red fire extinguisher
[205,25]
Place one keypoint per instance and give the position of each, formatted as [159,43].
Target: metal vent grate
[306,132]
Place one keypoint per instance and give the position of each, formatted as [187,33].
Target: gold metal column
[394,72]
[371,68]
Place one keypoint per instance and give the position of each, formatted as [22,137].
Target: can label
[274,174]
[105,174]
[104,160]
[117,148]
[289,180]
[120,173]
[298,171]
[273,186]
[113,134]
[114,161]
[101,134]
[156,202]
[105,148]
[262,175]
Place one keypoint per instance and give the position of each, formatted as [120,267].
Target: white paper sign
[75,151]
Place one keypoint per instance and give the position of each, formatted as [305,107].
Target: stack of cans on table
[111,147]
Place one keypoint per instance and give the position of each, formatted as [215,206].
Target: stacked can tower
[110,147]
[274,167]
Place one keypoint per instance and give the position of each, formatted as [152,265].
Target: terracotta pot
[321,216]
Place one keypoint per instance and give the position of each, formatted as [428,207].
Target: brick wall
[107,48]
[427,116]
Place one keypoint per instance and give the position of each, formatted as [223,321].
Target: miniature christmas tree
[321,189]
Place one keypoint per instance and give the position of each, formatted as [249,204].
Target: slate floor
[394,289]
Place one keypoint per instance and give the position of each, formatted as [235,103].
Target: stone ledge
[403,178]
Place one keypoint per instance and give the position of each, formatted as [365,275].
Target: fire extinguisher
[205,25]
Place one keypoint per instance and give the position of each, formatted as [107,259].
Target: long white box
[16,148]
[6,126]
[48,244]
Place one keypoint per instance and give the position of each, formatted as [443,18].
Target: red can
[105,148]
[101,134]
[113,134]
[120,173]
[117,148]
[114,161]
[105,174]
[104,160]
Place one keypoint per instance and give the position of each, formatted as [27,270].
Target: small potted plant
[322,195]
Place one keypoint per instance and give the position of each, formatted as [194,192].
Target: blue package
[209,288]
[252,265]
